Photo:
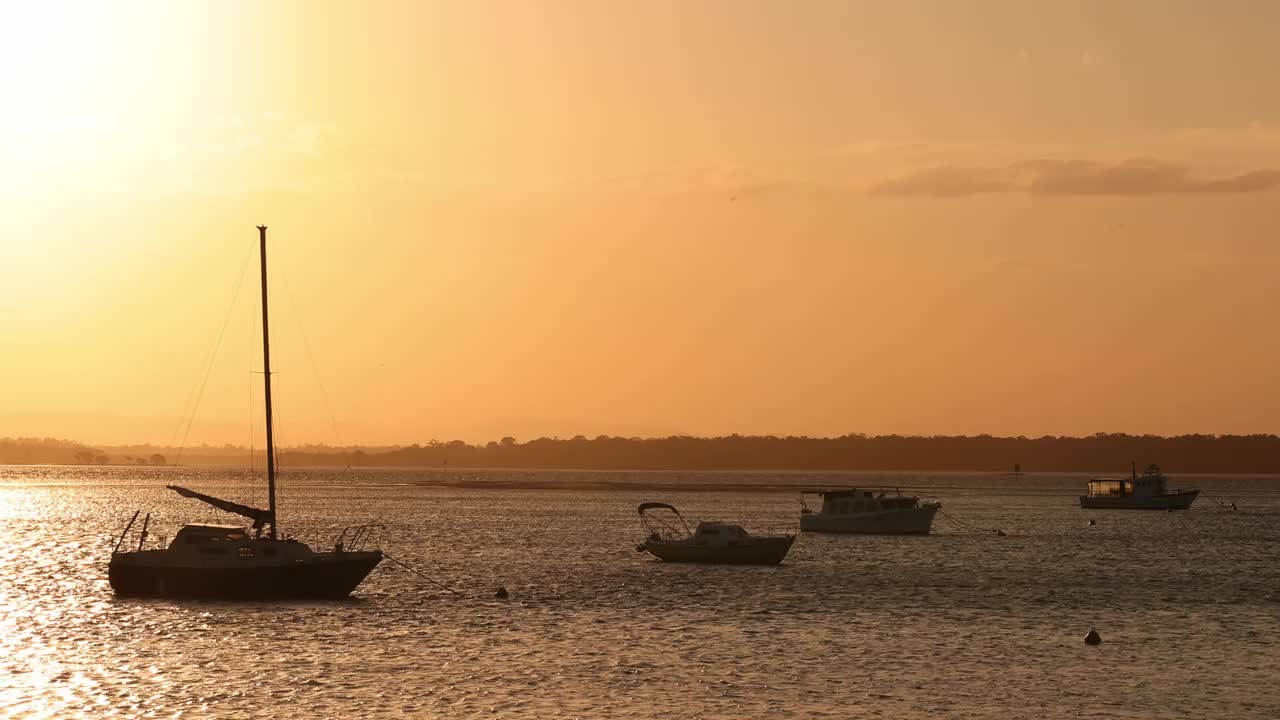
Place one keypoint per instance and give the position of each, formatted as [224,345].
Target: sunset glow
[497,219]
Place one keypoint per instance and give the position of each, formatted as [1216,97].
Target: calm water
[958,624]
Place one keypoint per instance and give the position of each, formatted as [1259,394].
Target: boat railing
[143,535]
[666,534]
[789,530]
[357,537]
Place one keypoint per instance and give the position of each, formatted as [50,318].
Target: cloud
[1059,177]
[948,181]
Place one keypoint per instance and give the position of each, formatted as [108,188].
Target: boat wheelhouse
[1150,491]
[853,510]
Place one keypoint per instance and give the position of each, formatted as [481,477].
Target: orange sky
[493,218]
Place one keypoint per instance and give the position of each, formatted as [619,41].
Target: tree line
[1101,452]
[53,451]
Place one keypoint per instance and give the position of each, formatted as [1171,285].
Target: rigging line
[255,356]
[214,356]
[306,345]
[968,526]
[278,426]
[253,493]
[186,404]
[423,575]
[1230,505]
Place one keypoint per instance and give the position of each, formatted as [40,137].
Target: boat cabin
[209,534]
[853,501]
[230,540]
[719,530]
[1152,482]
[718,534]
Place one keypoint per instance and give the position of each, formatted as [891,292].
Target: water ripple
[956,624]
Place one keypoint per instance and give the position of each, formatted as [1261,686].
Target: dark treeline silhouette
[48,451]
[982,453]
[54,451]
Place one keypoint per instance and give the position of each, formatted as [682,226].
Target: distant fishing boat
[850,510]
[711,542]
[1148,492]
[229,561]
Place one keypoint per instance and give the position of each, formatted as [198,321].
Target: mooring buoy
[1093,638]
[501,593]
[1093,522]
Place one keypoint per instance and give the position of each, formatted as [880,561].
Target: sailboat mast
[266,368]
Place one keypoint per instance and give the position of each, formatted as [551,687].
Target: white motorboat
[711,542]
[850,510]
[1148,492]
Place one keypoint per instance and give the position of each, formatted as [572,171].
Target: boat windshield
[719,529]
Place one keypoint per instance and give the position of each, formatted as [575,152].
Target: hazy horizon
[224,435]
[705,218]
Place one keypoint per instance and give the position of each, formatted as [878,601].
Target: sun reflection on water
[950,624]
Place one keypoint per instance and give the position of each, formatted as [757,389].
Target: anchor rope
[1228,505]
[423,575]
[966,525]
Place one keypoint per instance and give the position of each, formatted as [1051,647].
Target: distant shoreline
[920,483]
[1110,454]
[465,476]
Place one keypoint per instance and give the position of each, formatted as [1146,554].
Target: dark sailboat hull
[322,578]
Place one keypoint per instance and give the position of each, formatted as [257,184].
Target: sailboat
[234,562]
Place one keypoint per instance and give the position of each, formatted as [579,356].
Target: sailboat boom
[258,516]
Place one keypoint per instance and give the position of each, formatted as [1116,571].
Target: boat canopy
[259,517]
[662,526]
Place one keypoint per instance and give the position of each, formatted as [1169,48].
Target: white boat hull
[907,521]
[1171,501]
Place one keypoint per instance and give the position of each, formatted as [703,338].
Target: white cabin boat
[850,510]
[1148,492]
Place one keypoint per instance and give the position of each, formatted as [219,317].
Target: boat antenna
[266,373]
[1134,465]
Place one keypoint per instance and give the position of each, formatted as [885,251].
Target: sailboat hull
[321,576]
